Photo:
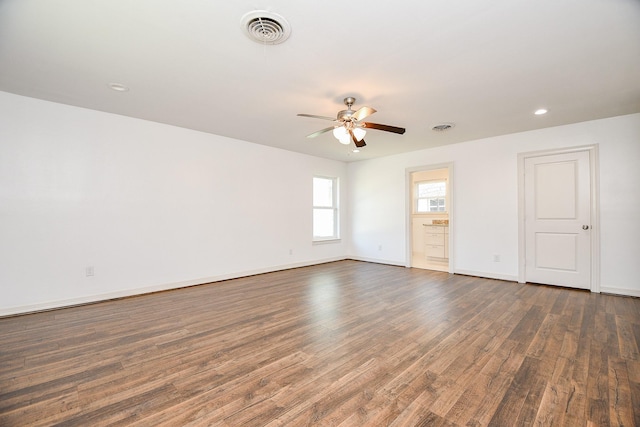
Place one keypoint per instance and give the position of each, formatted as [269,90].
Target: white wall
[149,206]
[152,206]
[486,200]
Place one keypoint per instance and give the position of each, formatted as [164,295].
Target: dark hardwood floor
[346,343]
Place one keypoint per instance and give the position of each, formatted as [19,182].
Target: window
[325,208]
[431,196]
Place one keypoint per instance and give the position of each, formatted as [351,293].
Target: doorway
[558,217]
[429,225]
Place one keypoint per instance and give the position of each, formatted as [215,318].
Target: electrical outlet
[496,258]
[89,271]
[379,247]
[290,251]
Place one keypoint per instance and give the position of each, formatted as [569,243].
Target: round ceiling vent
[442,127]
[265,27]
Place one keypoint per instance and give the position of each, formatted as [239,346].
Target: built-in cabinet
[436,238]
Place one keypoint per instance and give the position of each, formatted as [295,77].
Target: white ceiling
[485,65]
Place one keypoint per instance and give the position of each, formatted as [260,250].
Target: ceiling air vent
[265,27]
[442,127]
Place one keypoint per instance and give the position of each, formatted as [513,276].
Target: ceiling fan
[349,125]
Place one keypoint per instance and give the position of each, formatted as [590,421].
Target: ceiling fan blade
[360,143]
[386,128]
[363,112]
[317,117]
[320,132]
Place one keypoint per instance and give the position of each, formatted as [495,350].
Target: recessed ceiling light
[355,150]
[118,87]
[540,112]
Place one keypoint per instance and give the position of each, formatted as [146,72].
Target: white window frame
[334,208]
[417,199]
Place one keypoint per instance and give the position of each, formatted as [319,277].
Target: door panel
[555,187]
[557,206]
[556,251]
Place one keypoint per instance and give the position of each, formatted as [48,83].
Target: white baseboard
[12,311]
[506,277]
[377,261]
[619,291]
[51,305]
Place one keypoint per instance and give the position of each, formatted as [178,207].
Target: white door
[558,219]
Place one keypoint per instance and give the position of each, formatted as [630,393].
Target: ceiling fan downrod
[349,101]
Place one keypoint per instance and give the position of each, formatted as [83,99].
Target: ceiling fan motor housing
[345,114]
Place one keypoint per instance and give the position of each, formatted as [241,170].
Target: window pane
[323,225]
[432,189]
[431,196]
[423,205]
[323,192]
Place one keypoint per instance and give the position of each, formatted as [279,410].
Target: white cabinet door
[434,239]
[435,251]
[557,219]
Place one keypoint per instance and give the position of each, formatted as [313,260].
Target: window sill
[326,241]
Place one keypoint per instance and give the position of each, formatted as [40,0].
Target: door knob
[585,227]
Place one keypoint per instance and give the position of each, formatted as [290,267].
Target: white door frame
[595,210]
[409,210]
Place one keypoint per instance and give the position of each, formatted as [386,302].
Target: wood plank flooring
[341,344]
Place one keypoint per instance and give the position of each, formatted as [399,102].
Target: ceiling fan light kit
[341,134]
[349,126]
[359,133]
